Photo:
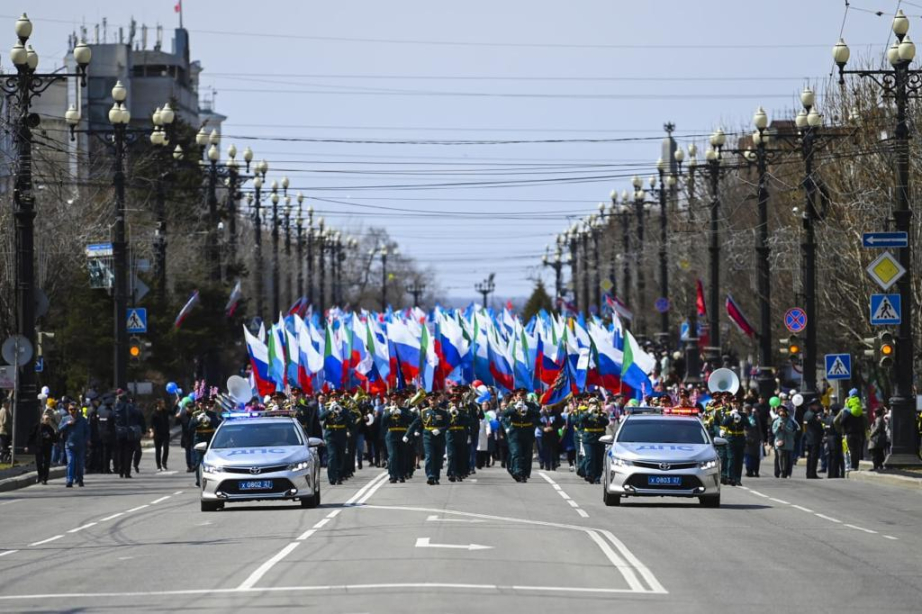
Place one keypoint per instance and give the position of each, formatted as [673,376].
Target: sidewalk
[24,475]
[891,477]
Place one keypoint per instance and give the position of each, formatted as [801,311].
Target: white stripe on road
[86,526]
[306,534]
[620,564]
[379,478]
[435,518]
[582,513]
[564,495]
[8,502]
[758,494]
[8,552]
[178,492]
[851,526]
[257,575]
[321,523]
[371,491]
[45,541]
[633,560]
[890,537]
[573,503]
[135,509]
[801,508]
[333,514]
[829,518]
[116,515]
[781,501]
[160,500]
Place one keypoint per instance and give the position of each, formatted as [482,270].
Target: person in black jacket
[106,419]
[160,422]
[138,429]
[813,437]
[124,434]
[40,442]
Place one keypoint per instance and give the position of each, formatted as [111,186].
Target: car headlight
[206,468]
[709,464]
[620,462]
[298,466]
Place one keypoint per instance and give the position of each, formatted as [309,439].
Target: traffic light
[135,349]
[886,349]
[794,347]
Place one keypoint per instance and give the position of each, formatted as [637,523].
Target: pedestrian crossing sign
[885,309]
[838,366]
[136,321]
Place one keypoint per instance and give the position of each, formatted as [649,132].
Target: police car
[655,455]
[252,457]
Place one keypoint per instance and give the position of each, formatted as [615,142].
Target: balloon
[774,401]
[491,415]
[191,397]
[477,383]
[481,388]
[171,387]
[797,400]
[485,396]
[46,390]
[185,401]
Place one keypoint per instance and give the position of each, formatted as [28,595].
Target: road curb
[28,479]
[890,479]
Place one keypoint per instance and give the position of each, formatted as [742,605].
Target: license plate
[255,485]
[656,480]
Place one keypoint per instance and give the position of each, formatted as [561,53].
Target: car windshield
[661,431]
[256,436]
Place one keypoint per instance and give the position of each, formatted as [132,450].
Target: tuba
[723,380]
[417,398]
[360,395]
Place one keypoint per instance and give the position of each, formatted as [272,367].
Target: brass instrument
[360,395]
[723,380]
[521,409]
[394,411]
[453,411]
[417,398]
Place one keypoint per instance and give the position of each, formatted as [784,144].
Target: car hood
[664,451]
[249,457]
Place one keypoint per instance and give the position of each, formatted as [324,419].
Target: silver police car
[653,455]
[260,458]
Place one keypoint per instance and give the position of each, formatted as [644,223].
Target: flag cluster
[553,356]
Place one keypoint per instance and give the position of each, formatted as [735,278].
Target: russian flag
[736,315]
[259,361]
[608,359]
[500,367]
[406,349]
[332,359]
[276,356]
[311,362]
[637,365]
[186,309]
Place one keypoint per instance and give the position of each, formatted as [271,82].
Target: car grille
[672,466]
[231,487]
[639,481]
[246,470]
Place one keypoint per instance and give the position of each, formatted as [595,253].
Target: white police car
[653,455]
[260,458]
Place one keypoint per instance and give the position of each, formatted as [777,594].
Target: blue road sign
[838,366]
[795,320]
[39,364]
[886,309]
[885,239]
[662,304]
[137,320]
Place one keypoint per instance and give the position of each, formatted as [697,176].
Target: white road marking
[160,500]
[556,486]
[322,588]
[7,503]
[178,492]
[435,518]
[265,567]
[86,526]
[633,560]
[573,503]
[116,515]
[829,518]
[802,508]
[333,514]
[758,494]
[890,537]
[306,534]
[620,564]
[564,495]
[851,526]
[321,523]
[582,513]
[45,541]
[781,501]
[423,542]
[379,478]
[371,491]
[8,552]
[166,472]
[135,509]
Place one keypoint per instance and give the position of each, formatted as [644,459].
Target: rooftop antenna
[105,31]
[159,43]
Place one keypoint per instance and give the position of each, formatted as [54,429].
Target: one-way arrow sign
[423,542]
[885,239]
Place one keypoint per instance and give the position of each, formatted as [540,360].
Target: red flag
[178,7]
[736,315]
[699,299]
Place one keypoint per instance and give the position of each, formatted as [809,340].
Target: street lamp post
[321,266]
[384,252]
[713,159]
[594,227]
[20,90]
[485,288]
[640,208]
[262,167]
[624,213]
[899,83]
[663,253]
[557,264]
[286,213]
[160,138]
[310,255]
[692,350]
[299,241]
[234,180]
[765,377]
[211,250]
[276,297]
[416,290]
[573,241]
[584,264]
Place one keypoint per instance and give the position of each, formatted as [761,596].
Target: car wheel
[712,501]
[312,501]
[211,506]
[609,499]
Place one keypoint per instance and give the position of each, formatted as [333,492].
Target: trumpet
[337,409]
[394,410]
[453,411]
[521,409]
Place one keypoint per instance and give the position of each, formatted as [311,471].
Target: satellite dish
[239,388]
[17,350]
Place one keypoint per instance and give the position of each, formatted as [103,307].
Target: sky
[477,131]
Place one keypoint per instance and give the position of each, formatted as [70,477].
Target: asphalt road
[486,545]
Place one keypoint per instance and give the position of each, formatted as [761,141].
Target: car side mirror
[202,446]
[314,442]
[606,439]
[720,441]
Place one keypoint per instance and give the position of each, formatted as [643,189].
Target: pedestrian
[593,422]
[813,437]
[186,431]
[75,431]
[855,426]
[394,422]
[877,441]
[107,440]
[336,422]
[124,433]
[40,443]
[783,429]
[94,454]
[160,422]
[549,427]
[522,418]
[431,423]
[484,438]
[831,427]
[6,428]
[752,454]
[138,428]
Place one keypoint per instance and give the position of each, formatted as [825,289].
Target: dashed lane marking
[781,501]
[86,526]
[45,541]
[582,513]
[6,552]
[321,523]
[160,500]
[890,537]
[851,526]
[115,515]
[829,518]
[802,508]
[564,495]
[135,509]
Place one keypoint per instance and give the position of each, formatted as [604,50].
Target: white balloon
[797,400]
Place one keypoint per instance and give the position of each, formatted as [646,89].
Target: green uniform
[713,422]
[432,423]
[336,421]
[593,424]
[521,437]
[735,434]
[456,443]
[395,423]
[578,440]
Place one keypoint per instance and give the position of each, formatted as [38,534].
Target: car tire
[609,499]
[211,506]
[312,501]
[712,501]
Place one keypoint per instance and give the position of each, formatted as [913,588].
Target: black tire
[609,499]
[312,501]
[211,506]
[712,501]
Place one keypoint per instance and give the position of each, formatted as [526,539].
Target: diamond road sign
[886,309]
[838,366]
[137,320]
[885,239]
[886,270]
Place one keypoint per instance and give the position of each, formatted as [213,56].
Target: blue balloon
[171,387]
